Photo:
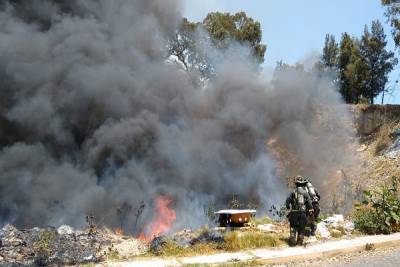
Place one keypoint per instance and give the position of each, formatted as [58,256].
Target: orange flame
[162,221]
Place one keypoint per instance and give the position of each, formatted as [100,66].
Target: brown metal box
[234,218]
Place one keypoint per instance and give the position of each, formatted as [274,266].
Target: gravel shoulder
[373,258]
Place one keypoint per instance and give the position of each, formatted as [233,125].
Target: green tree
[352,69]
[225,28]
[182,44]
[328,63]
[330,52]
[188,48]
[379,62]
[356,73]
[193,44]
[393,15]
[345,54]
[346,58]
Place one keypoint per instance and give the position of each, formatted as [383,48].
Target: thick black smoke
[93,118]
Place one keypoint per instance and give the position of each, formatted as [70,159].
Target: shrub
[379,213]
[366,220]
[42,247]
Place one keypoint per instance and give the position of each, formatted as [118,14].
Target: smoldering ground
[93,119]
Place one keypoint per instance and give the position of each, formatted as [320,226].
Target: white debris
[130,248]
[65,230]
[393,154]
[348,226]
[393,151]
[88,258]
[335,220]
[267,228]
[362,148]
[322,230]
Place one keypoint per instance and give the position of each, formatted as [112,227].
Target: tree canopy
[192,41]
[361,65]
[330,52]
[225,28]
[379,62]
[393,15]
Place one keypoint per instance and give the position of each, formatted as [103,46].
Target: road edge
[328,254]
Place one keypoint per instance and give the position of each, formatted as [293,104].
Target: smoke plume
[93,118]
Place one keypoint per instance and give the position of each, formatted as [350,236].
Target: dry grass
[235,241]
[173,249]
[335,233]
[113,255]
[383,139]
[262,220]
[252,263]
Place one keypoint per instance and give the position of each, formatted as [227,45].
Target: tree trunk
[383,95]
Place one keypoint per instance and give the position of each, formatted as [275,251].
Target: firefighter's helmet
[300,180]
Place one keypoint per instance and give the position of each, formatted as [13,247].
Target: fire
[119,231]
[163,219]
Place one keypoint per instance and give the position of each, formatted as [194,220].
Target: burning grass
[164,218]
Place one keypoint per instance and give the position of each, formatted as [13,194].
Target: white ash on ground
[334,226]
[63,246]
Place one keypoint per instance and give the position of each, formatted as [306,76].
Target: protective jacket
[299,200]
[298,203]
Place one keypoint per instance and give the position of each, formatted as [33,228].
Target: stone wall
[368,118]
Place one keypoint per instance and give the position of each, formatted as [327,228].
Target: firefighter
[298,203]
[315,198]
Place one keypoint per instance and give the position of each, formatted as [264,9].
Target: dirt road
[377,258]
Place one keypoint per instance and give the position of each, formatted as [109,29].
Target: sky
[294,30]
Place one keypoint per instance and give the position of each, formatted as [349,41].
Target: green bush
[379,213]
[42,247]
[366,220]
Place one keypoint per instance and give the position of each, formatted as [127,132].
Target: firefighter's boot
[300,239]
[292,238]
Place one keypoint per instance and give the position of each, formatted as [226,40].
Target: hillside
[378,128]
